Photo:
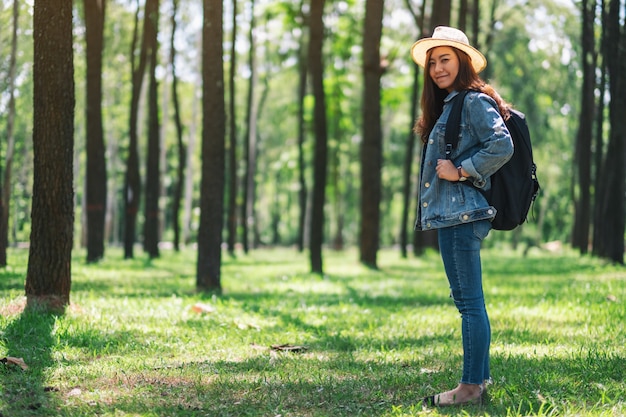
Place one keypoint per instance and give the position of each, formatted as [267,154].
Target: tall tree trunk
[48,277]
[182,151]
[247,205]
[600,121]
[609,226]
[302,80]
[132,180]
[463,12]
[257,109]
[582,156]
[5,193]
[232,167]
[316,66]
[442,10]
[153,163]
[408,167]
[336,176]
[371,147]
[410,143]
[213,148]
[112,229]
[191,151]
[96,176]
[475,23]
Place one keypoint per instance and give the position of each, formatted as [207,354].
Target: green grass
[377,341]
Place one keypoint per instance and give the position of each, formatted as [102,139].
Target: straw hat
[447,36]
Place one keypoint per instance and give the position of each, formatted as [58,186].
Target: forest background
[295,129]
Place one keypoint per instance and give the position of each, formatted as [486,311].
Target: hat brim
[419,50]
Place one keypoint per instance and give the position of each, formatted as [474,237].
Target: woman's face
[443,67]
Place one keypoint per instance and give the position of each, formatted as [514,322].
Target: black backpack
[514,186]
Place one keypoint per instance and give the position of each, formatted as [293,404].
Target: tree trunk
[463,12]
[336,178]
[371,147]
[247,205]
[316,66]
[232,167]
[132,180]
[609,226]
[257,109]
[441,14]
[475,24]
[182,151]
[153,163]
[408,167]
[96,176]
[48,278]
[410,143]
[5,193]
[302,80]
[213,149]
[582,156]
[600,121]
[191,151]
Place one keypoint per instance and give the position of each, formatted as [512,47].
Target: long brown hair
[433,96]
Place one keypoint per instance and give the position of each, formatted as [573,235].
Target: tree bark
[48,277]
[132,180]
[316,68]
[582,156]
[213,148]
[441,14]
[96,176]
[475,23]
[247,205]
[182,151]
[610,222]
[191,151]
[463,12]
[371,147]
[408,168]
[232,155]
[410,143]
[600,122]
[302,81]
[153,163]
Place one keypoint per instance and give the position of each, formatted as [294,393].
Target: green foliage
[376,340]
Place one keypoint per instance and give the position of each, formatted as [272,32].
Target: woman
[459,211]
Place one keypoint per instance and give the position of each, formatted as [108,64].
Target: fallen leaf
[289,348]
[15,361]
[75,392]
[202,308]
[245,326]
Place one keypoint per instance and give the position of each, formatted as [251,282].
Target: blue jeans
[460,251]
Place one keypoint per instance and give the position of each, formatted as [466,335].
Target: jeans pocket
[481,228]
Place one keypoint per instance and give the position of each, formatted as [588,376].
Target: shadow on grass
[339,385]
[28,337]
[10,280]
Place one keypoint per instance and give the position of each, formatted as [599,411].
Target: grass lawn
[360,342]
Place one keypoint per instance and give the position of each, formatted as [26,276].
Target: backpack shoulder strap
[454,122]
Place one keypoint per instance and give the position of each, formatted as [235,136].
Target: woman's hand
[446,170]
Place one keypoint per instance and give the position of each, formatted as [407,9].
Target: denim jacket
[484,146]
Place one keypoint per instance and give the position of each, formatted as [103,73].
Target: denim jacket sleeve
[490,145]
[484,146]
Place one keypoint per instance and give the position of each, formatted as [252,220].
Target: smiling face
[443,67]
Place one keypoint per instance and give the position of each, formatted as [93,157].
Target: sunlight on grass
[371,342]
